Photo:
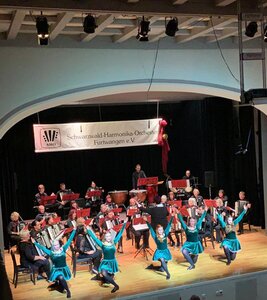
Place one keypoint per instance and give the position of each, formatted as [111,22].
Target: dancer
[192,247]
[109,264]
[60,271]
[162,253]
[231,244]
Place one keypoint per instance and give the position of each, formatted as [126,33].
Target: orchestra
[100,226]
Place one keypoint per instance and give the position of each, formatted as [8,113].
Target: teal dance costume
[231,244]
[60,270]
[162,252]
[109,264]
[192,247]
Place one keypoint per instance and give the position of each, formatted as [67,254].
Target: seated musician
[137,233]
[74,205]
[171,196]
[35,228]
[41,214]
[29,256]
[41,193]
[222,196]
[197,196]
[239,208]
[87,248]
[192,207]
[219,209]
[101,215]
[71,222]
[14,228]
[163,200]
[109,203]
[93,201]
[110,221]
[62,191]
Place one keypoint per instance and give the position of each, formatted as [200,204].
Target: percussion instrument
[141,194]
[118,197]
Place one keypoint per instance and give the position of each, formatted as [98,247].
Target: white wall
[33,79]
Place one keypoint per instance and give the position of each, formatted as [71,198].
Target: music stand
[184,212]
[132,211]
[117,210]
[142,249]
[210,203]
[95,193]
[48,200]
[83,213]
[70,197]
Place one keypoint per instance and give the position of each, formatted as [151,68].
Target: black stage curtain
[203,136]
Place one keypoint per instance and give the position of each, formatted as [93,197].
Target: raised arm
[93,236]
[66,246]
[199,222]
[184,226]
[168,228]
[118,236]
[221,220]
[240,217]
[43,248]
[151,230]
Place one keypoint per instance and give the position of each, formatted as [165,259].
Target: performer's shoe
[168,276]
[191,267]
[94,271]
[115,289]
[150,267]
[228,263]
[68,294]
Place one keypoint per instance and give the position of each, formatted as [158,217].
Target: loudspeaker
[209,178]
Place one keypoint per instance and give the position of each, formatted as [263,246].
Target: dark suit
[158,215]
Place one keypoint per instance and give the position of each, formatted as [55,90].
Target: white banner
[79,136]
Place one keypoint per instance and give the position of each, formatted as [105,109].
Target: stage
[134,279]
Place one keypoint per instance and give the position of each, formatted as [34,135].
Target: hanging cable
[153,71]
[219,47]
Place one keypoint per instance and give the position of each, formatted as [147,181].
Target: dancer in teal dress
[109,264]
[231,244]
[60,271]
[162,253]
[192,247]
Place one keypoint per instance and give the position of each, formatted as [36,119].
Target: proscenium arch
[113,88]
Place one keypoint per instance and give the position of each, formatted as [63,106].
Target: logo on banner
[50,138]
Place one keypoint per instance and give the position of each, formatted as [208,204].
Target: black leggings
[229,255]
[108,278]
[191,258]
[63,283]
[164,266]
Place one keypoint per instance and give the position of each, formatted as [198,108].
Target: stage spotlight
[251,29]
[172,27]
[89,24]
[143,30]
[42,30]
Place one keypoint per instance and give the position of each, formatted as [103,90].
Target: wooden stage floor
[133,278]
